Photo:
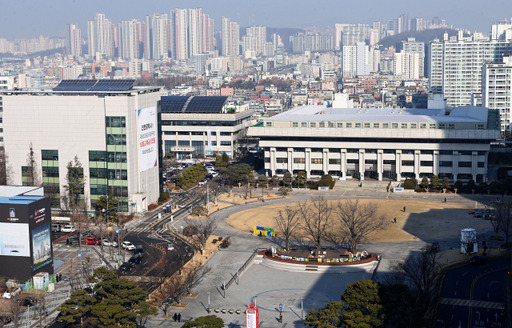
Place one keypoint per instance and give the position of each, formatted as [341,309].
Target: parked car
[11,292]
[92,241]
[68,228]
[440,324]
[5,319]
[107,242]
[477,259]
[171,247]
[125,267]
[128,245]
[56,227]
[203,182]
[139,251]
[27,301]
[135,259]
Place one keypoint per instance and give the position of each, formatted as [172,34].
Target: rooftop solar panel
[94,85]
[206,104]
[173,104]
[113,85]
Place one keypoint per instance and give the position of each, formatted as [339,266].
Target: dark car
[125,267]
[139,251]
[135,259]
[5,319]
[28,301]
[478,259]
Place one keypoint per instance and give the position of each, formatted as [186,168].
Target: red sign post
[252,319]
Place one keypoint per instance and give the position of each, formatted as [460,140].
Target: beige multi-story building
[379,143]
[110,126]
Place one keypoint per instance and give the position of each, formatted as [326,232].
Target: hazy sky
[31,18]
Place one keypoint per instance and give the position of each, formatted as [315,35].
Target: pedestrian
[175,317]
[179,317]
[394,220]
[445,199]
[404,208]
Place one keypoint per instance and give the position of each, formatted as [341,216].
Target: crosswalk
[472,303]
[148,229]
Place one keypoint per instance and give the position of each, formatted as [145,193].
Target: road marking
[472,303]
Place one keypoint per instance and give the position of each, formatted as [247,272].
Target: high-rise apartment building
[406,65]
[132,38]
[73,41]
[356,60]
[230,37]
[159,25]
[180,21]
[99,33]
[497,90]
[411,46]
[456,65]
[311,42]
[350,34]
[254,40]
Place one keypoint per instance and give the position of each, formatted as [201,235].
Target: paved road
[473,295]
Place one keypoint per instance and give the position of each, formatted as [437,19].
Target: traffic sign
[280,307]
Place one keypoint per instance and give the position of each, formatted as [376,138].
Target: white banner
[148,146]
[14,239]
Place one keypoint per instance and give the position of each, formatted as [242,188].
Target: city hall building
[110,126]
[379,143]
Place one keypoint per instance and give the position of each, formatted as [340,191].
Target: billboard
[148,147]
[14,239]
[41,247]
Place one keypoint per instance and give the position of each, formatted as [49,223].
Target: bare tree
[14,308]
[32,178]
[504,218]
[202,231]
[179,284]
[315,217]
[423,273]
[5,168]
[287,222]
[356,221]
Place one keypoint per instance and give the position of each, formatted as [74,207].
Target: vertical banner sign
[209,136]
[148,153]
[252,317]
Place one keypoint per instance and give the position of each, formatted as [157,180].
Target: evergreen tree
[436,182]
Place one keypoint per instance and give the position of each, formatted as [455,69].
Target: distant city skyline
[31,18]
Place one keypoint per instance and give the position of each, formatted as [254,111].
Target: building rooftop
[323,113]
[193,104]
[87,87]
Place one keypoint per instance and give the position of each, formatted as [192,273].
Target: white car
[128,245]
[170,247]
[203,182]
[12,293]
[107,242]
[68,228]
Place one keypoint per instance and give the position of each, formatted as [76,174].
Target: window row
[374,125]
[334,161]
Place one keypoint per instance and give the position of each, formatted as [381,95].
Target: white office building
[497,90]
[110,126]
[194,126]
[378,143]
